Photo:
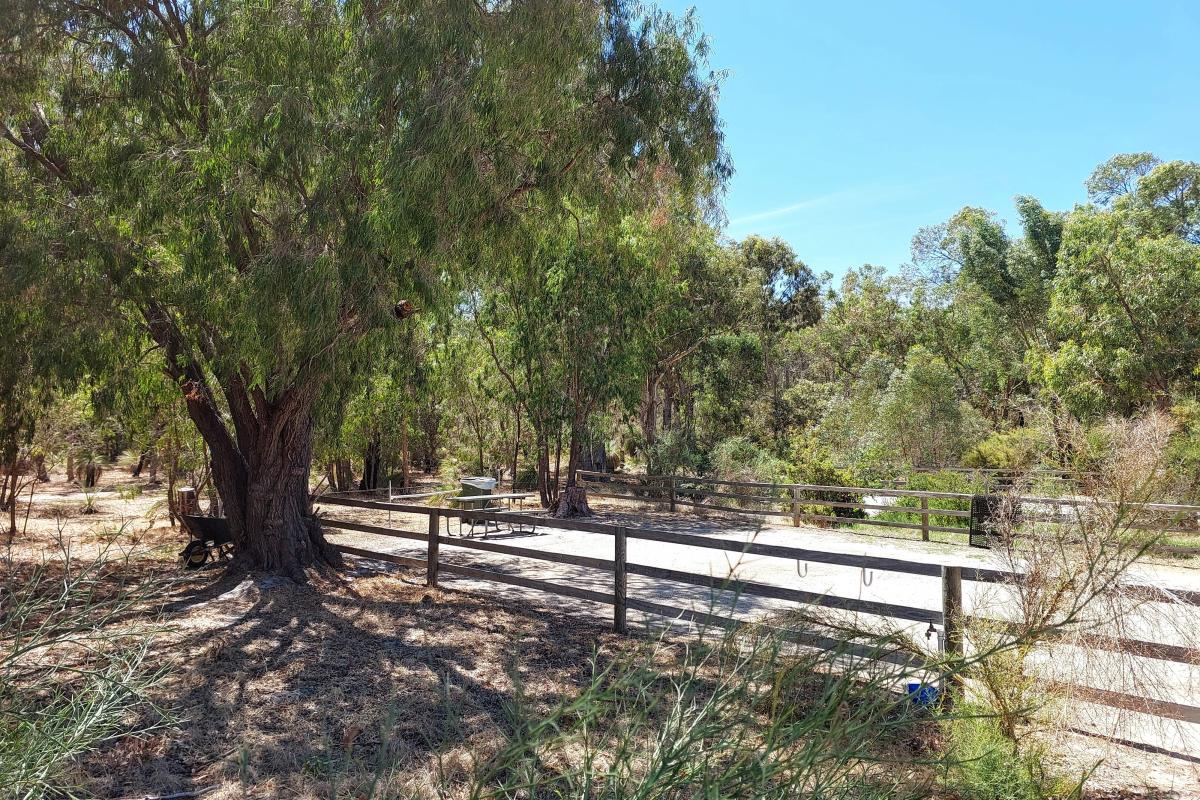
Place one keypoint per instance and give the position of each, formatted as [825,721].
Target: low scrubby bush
[745,715]
[740,459]
[526,479]
[1018,449]
[674,454]
[947,481]
[813,465]
[987,765]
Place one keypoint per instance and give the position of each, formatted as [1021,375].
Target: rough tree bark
[668,405]
[572,500]
[260,463]
[263,484]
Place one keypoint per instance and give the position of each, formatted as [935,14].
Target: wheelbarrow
[210,538]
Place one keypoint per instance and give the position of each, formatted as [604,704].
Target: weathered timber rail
[950,616]
[795,501]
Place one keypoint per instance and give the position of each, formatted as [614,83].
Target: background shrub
[1018,449]
[944,481]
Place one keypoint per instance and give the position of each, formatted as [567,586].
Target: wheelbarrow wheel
[195,555]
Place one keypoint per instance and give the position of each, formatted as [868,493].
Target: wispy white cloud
[784,211]
[870,195]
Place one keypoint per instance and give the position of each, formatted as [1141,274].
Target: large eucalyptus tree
[259,184]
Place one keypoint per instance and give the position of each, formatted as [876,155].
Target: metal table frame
[487,499]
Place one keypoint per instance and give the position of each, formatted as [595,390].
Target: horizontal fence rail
[803,502]
[950,616]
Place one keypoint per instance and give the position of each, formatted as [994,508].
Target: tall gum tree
[258,184]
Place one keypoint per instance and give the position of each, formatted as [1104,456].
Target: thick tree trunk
[263,485]
[572,501]
[371,465]
[260,463]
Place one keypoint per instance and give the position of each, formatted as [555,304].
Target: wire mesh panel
[992,515]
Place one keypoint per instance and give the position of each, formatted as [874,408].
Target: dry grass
[273,679]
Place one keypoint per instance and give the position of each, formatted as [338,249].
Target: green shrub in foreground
[986,765]
[73,672]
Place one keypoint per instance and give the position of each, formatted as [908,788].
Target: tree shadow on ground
[269,679]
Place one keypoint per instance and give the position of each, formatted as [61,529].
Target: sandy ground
[273,682]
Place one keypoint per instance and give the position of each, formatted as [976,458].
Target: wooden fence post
[431,558]
[924,519]
[795,507]
[619,581]
[671,491]
[952,623]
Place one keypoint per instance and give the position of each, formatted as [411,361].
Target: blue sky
[853,124]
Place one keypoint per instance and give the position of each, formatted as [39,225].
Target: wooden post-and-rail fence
[796,502]
[950,616]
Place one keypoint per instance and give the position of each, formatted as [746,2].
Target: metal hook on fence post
[802,574]
[865,580]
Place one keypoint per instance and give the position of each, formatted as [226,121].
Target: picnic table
[484,502]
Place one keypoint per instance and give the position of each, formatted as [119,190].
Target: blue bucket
[923,695]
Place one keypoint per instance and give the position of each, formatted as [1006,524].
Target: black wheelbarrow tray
[210,538]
